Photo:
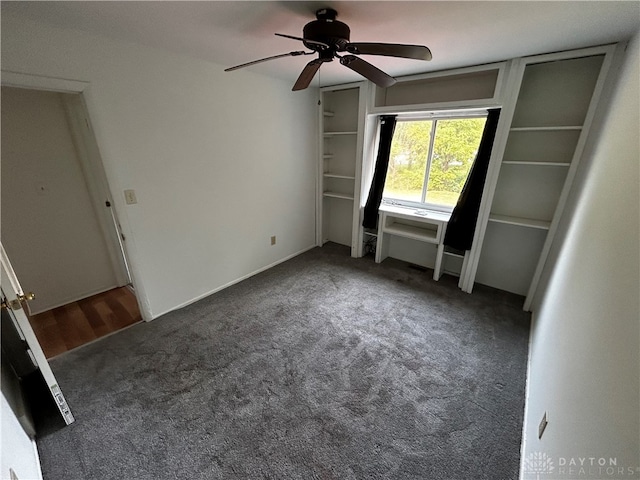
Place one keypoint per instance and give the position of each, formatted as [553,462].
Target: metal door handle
[15,304]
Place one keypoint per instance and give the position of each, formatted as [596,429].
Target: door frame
[104,207]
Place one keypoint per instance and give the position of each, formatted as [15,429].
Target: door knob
[15,304]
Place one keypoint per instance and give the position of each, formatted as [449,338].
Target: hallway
[78,323]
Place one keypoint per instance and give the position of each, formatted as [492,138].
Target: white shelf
[472,85]
[327,113]
[333,175]
[343,196]
[548,129]
[409,231]
[414,213]
[521,222]
[333,134]
[536,164]
[454,254]
[421,225]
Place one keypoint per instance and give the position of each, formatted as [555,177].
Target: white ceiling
[458,33]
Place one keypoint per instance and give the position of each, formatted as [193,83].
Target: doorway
[69,326]
[58,223]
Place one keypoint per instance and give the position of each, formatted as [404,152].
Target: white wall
[17,450]
[585,344]
[219,161]
[49,226]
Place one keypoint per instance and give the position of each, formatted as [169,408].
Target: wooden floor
[67,327]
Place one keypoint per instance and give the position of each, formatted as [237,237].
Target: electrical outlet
[543,424]
[273,240]
[130,197]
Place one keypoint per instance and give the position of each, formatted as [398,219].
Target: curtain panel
[387,127]
[464,217]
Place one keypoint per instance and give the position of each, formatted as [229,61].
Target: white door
[12,299]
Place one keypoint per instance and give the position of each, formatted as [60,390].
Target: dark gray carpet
[324,367]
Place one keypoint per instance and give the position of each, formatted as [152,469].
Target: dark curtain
[463,220]
[387,126]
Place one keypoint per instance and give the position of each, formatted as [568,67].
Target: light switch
[130,197]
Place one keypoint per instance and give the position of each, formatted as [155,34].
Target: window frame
[431,116]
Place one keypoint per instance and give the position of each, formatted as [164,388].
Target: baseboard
[37,457]
[526,397]
[233,282]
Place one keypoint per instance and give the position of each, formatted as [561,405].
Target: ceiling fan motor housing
[326,36]
[328,30]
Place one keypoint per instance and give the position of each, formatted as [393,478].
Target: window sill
[410,211]
[426,207]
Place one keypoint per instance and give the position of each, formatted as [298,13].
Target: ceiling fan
[329,37]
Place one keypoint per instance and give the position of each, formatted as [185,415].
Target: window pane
[454,150]
[408,161]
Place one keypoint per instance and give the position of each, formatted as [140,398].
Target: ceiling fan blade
[416,52]
[313,42]
[367,70]
[290,54]
[307,74]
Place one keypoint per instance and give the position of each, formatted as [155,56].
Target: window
[430,160]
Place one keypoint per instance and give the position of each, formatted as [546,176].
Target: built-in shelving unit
[547,106]
[340,164]
[545,130]
[473,88]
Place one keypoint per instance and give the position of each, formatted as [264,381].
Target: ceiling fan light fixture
[327,36]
